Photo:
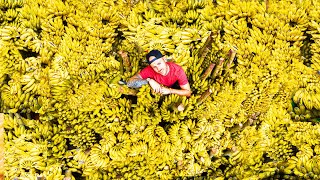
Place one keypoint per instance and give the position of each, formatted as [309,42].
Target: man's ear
[165,59]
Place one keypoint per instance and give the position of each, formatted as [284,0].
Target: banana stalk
[203,51]
[178,107]
[217,69]
[204,96]
[208,71]
[125,60]
[231,58]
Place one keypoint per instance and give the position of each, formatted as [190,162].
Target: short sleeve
[182,77]
[147,72]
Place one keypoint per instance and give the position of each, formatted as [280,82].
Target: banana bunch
[182,57]
[306,53]
[31,145]
[147,98]
[281,150]
[199,81]
[238,9]
[237,28]
[58,8]
[11,96]
[54,172]
[79,136]
[112,92]
[31,15]
[175,17]
[60,83]
[12,4]
[314,14]
[211,131]
[133,20]
[174,108]
[300,113]
[195,4]
[208,15]
[76,33]
[192,16]
[105,32]
[165,45]
[54,25]
[315,33]
[27,36]
[120,150]
[317,149]
[231,112]
[193,36]
[186,129]
[289,33]
[295,14]
[139,120]
[98,156]
[11,14]
[9,33]
[261,36]
[303,168]
[268,22]
[80,157]
[109,16]
[307,96]
[121,110]
[298,137]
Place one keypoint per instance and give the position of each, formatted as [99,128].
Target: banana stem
[208,71]
[125,60]
[235,128]
[140,50]
[203,51]
[178,107]
[231,58]
[204,96]
[217,69]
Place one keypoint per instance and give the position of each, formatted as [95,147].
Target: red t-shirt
[176,74]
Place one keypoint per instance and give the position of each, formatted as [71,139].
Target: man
[160,72]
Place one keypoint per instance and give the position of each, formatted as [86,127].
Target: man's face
[159,66]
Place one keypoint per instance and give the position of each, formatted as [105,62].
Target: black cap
[156,53]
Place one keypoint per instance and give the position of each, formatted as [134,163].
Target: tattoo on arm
[137,83]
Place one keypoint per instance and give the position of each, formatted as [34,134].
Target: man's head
[158,63]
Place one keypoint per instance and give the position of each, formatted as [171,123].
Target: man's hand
[165,90]
[155,86]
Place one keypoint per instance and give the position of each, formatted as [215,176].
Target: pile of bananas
[250,117]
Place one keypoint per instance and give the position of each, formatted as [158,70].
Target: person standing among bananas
[163,77]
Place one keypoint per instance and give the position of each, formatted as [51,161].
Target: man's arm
[184,91]
[136,81]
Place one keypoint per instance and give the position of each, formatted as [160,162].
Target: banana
[27,86]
